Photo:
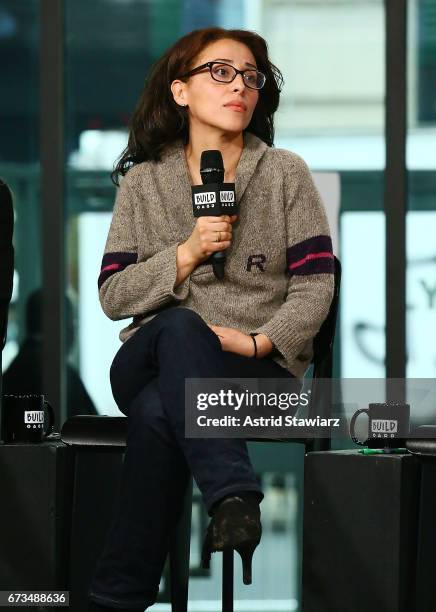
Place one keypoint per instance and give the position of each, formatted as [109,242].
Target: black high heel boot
[234,525]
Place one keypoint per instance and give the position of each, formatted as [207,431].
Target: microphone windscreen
[212,167]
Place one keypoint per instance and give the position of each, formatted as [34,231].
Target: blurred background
[332,113]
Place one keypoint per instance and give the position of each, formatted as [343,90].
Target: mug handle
[51,419]
[352,424]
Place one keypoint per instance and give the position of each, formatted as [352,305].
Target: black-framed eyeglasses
[226,73]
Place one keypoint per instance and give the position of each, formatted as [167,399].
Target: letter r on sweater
[256,260]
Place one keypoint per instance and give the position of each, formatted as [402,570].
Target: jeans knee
[184,321]
[180,315]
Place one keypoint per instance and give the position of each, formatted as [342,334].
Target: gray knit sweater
[279,268]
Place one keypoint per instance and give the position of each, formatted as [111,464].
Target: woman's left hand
[234,341]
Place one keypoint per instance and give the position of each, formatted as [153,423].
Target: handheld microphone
[214,198]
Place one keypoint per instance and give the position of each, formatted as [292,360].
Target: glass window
[332,114]
[19,168]
[421,215]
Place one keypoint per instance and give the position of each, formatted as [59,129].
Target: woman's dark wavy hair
[158,121]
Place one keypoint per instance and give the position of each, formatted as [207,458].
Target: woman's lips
[236,107]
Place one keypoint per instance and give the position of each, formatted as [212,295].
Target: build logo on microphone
[207,197]
[227,196]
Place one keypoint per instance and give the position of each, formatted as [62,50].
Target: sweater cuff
[284,339]
[165,264]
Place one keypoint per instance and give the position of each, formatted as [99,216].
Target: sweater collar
[253,150]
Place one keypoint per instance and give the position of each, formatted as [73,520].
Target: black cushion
[95,430]
[423,441]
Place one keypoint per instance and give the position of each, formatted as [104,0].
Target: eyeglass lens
[226,74]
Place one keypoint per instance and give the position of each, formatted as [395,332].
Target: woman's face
[227,107]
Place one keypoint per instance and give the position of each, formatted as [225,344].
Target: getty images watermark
[253,408]
[228,399]
[289,408]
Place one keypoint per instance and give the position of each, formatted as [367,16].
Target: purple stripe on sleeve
[311,256]
[315,266]
[119,258]
[115,262]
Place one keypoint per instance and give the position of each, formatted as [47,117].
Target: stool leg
[179,556]
[227,587]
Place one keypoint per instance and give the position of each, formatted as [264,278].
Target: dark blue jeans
[148,383]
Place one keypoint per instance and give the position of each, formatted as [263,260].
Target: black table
[360,532]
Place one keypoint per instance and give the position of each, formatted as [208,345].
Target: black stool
[360,532]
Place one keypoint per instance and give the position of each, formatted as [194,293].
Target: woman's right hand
[202,242]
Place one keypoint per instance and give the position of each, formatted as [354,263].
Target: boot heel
[235,525]
[246,553]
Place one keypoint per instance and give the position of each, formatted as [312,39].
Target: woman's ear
[179,92]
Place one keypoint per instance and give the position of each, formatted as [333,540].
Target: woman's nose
[238,83]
